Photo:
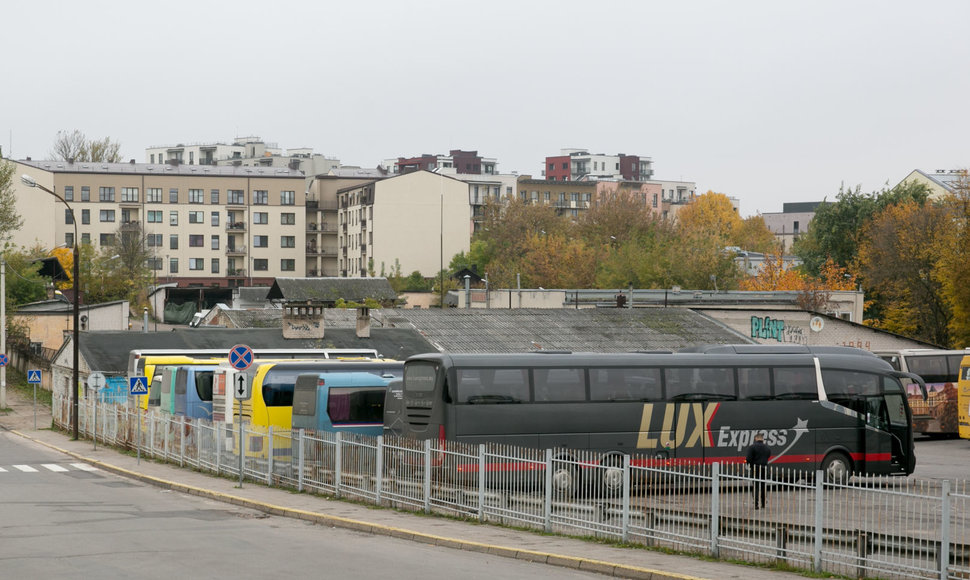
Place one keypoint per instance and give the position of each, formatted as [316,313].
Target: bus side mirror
[916,379]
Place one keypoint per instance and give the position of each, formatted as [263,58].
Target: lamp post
[76,380]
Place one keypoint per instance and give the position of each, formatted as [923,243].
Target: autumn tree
[774,276]
[75,145]
[711,214]
[752,234]
[897,254]
[10,220]
[953,268]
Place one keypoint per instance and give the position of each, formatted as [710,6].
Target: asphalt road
[942,459]
[61,518]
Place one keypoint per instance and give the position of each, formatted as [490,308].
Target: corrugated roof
[331,289]
[108,351]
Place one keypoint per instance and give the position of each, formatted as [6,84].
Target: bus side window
[795,383]
[754,383]
[562,385]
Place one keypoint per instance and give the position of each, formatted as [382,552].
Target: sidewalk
[523,545]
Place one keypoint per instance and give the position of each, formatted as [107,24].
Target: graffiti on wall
[768,328]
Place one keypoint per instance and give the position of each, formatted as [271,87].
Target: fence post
[781,544]
[271,447]
[547,499]
[861,552]
[481,482]
[819,500]
[715,506]
[151,432]
[217,439]
[182,441]
[299,460]
[427,476]
[627,485]
[337,463]
[168,429]
[379,469]
[945,530]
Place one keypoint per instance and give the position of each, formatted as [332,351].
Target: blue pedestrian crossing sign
[33,377]
[138,385]
[3,360]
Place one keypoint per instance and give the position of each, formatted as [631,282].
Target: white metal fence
[868,526]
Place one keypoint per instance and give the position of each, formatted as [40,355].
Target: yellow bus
[963,398]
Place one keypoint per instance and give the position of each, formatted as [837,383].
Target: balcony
[235,226]
[313,250]
[236,251]
[236,273]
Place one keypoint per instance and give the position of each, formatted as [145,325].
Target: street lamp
[31,182]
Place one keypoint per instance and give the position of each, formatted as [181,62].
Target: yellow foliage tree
[773,276]
[66,257]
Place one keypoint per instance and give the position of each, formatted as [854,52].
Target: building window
[153,240]
[197,217]
[85,216]
[153,195]
[154,216]
[68,217]
[237,197]
[196,196]
[69,239]
[288,264]
[196,240]
[107,239]
[69,193]
[173,195]
[215,219]
[85,193]
[155,263]
[260,241]
[215,242]
[107,215]
[260,264]
[173,241]
[287,219]
[260,197]
[85,238]
[260,217]
[106,194]
[196,263]
[215,265]
[173,265]
[287,241]
[287,198]
[214,197]
[173,218]
[129,194]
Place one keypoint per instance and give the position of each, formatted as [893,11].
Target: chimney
[132,162]
[363,322]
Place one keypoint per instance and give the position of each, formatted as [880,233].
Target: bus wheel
[837,467]
[611,479]
[564,480]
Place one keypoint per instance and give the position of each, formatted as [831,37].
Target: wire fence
[885,527]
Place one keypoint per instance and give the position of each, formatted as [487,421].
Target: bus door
[900,420]
[179,400]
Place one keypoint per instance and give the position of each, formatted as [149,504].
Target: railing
[872,526]
[236,250]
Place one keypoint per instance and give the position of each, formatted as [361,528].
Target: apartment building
[416,221]
[577,164]
[571,198]
[462,162]
[208,225]
[790,223]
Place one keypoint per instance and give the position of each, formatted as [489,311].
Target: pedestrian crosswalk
[54,467]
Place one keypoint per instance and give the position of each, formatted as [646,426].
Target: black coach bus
[837,409]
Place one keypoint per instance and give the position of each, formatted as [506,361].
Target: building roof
[948,180]
[800,206]
[107,351]
[163,169]
[252,296]
[330,290]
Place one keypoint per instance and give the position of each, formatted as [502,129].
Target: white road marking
[84,467]
[25,468]
[54,467]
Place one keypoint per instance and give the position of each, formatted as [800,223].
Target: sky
[765,101]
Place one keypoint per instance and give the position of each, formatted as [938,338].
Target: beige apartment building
[418,221]
[207,225]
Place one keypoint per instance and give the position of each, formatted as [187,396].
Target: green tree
[24,283]
[10,220]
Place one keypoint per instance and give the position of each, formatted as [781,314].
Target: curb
[587,564]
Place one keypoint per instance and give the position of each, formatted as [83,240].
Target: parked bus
[143,362]
[940,370]
[338,401]
[963,398]
[834,411]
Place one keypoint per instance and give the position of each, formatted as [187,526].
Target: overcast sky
[768,101]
